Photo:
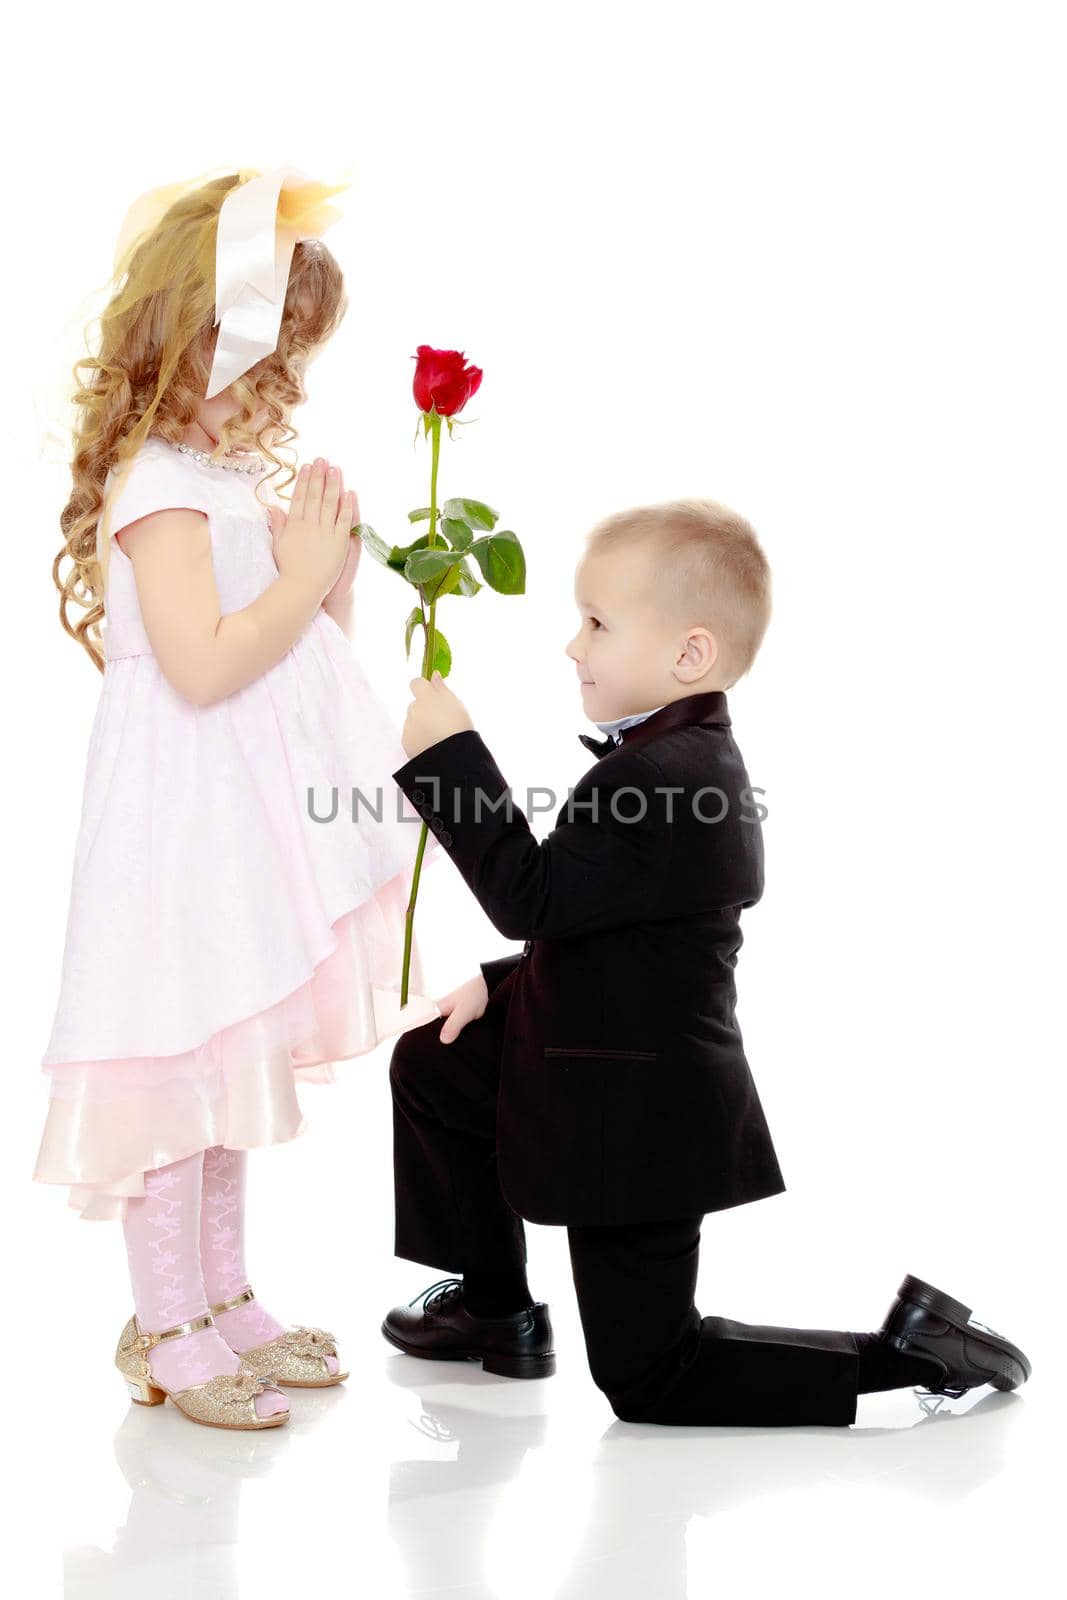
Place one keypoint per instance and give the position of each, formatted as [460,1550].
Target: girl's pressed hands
[311,540]
[340,595]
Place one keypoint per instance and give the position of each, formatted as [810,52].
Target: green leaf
[442,654]
[392,556]
[398,556]
[460,580]
[502,561]
[475,512]
[453,582]
[458,534]
[423,565]
[421,515]
[468,584]
[415,620]
[374,543]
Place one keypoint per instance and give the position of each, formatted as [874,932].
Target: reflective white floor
[434,1479]
[444,1482]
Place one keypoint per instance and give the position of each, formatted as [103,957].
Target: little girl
[236,919]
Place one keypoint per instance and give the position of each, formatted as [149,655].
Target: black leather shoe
[925,1322]
[515,1346]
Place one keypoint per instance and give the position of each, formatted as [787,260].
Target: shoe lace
[433,1428]
[444,1289]
[953,1393]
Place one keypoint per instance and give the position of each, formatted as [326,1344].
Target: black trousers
[649,1349]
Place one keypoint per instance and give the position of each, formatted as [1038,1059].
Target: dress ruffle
[109,1122]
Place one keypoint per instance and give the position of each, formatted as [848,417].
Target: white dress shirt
[615,728]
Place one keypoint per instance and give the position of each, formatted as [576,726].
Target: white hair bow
[260,222]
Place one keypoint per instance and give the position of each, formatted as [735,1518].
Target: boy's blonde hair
[709,569]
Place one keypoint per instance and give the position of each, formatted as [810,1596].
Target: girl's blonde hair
[154,355]
[708,569]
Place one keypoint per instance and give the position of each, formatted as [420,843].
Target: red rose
[443,380]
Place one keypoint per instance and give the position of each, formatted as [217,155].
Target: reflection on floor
[451,1482]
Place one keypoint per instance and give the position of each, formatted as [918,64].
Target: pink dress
[233,929]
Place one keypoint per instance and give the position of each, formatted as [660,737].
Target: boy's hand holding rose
[433,714]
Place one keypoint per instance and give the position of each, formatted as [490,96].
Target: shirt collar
[691,709]
[615,728]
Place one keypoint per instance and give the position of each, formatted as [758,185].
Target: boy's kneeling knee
[413,1046]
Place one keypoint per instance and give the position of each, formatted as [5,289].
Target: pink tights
[163,1247]
[222,1252]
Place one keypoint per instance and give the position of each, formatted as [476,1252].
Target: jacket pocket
[620,1055]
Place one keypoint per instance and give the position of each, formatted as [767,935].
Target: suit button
[426,810]
[436,824]
[418,795]
[446,837]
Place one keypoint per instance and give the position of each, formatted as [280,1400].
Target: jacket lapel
[693,709]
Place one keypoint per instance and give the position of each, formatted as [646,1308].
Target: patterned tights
[222,1252]
[162,1233]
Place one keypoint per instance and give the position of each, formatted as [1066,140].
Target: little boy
[598,1080]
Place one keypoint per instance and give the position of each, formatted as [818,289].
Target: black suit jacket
[625,1094]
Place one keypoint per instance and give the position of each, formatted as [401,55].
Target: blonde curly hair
[150,372]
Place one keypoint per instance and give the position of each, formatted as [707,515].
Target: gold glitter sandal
[295,1359]
[226,1401]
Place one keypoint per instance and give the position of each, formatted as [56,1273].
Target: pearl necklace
[255,465]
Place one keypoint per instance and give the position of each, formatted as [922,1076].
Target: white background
[806,260]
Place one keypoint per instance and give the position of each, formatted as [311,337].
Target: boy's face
[625,650]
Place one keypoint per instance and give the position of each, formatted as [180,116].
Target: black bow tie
[599,747]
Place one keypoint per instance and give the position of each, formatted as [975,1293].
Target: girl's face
[214,412]
[259,417]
